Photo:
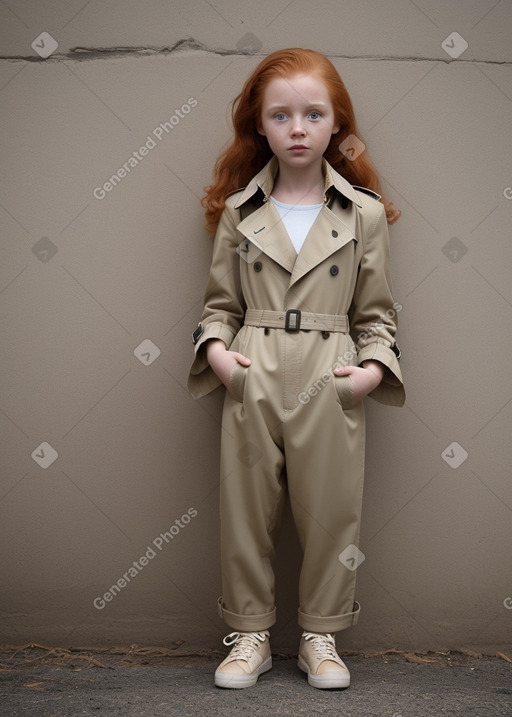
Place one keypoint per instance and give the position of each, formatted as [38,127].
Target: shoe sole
[239,682]
[324,682]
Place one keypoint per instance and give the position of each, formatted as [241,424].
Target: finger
[342,370]
[244,360]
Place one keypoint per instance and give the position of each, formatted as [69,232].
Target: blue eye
[280,116]
[314,115]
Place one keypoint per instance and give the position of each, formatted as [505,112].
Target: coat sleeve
[224,306]
[373,314]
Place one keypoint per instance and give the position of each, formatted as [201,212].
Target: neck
[297,185]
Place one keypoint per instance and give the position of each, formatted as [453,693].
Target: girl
[299,325]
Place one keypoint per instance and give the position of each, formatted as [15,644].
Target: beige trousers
[289,426]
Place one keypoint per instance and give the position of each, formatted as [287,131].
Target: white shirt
[297,219]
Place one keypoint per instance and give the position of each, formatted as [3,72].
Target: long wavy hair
[249,151]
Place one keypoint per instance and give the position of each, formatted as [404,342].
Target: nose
[298,129]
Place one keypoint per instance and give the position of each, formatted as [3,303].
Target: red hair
[249,152]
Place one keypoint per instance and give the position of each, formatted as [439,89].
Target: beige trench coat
[353,239]
[289,424]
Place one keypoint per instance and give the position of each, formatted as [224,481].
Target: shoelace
[244,643]
[323,645]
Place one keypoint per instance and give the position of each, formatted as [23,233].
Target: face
[297,119]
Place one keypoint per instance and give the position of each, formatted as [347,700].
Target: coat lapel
[327,235]
[266,231]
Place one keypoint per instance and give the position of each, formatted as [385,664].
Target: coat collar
[264,180]
[265,230]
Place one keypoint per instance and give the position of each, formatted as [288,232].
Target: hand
[223,361]
[365,379]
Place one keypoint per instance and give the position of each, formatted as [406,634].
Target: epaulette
[370,192]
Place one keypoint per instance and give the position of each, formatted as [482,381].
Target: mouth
[297,148]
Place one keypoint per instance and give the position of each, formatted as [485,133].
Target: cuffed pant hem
[312,623]
[247,623]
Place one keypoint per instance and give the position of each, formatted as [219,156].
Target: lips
[297,149]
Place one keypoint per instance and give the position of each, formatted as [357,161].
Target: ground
[143,681]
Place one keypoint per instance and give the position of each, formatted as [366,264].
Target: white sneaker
[249,658]
[319,659]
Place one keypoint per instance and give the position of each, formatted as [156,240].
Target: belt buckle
[292,321]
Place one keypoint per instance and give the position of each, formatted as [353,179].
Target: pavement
[63,683]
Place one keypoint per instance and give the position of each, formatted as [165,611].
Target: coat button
[258,266]
[334,233]
[334,270]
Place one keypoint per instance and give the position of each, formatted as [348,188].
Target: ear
[260,130]
[336,128]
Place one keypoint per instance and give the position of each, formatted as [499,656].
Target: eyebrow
[281,107]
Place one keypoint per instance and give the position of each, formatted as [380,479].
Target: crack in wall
[82,54]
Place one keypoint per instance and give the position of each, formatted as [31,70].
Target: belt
[295,320]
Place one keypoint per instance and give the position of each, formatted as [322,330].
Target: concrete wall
[103,450]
